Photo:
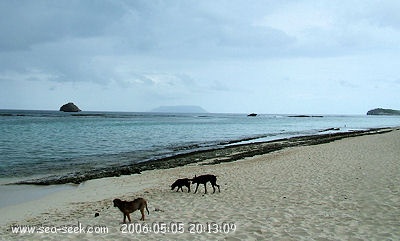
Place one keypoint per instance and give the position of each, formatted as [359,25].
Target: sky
[266,56]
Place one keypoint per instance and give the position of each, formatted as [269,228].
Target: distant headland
[381,111]
[180,109]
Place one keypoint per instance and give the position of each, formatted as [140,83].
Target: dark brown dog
[129,207]
[204,179]
[180,183]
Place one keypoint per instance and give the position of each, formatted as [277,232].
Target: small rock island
[69,107]
[381,111]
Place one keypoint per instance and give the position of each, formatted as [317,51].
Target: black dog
[180,183]
[204,179]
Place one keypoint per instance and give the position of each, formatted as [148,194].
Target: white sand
[344,190]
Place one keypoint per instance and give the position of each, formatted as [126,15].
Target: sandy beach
[343,190]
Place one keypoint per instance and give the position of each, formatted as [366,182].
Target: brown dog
[180,183]
[129,207]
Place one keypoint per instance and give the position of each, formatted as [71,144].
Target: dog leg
[213,188]
[214,183]
[205,188]
[196,187]
[188,186]
[124,218]
[129,217]
[142,211]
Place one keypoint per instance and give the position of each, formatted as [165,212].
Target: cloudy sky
[266,56]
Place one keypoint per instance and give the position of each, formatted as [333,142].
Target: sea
[42,143]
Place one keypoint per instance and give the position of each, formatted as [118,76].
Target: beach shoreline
[344,188]
[23,190]
[225,153]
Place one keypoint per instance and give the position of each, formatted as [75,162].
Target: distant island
[180,109]
[381,111]
[70,107]
[306,116]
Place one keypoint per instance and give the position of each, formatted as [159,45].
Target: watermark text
[65,229]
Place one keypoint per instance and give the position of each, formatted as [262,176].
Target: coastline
[226,153]
[333,189]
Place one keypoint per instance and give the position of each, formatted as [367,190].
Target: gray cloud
[197,51]
[26,23]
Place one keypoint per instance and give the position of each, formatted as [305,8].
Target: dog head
[173,186]
[117,202]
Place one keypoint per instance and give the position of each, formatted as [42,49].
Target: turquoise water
[37,143]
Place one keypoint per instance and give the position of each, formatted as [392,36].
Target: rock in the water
[70,107]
